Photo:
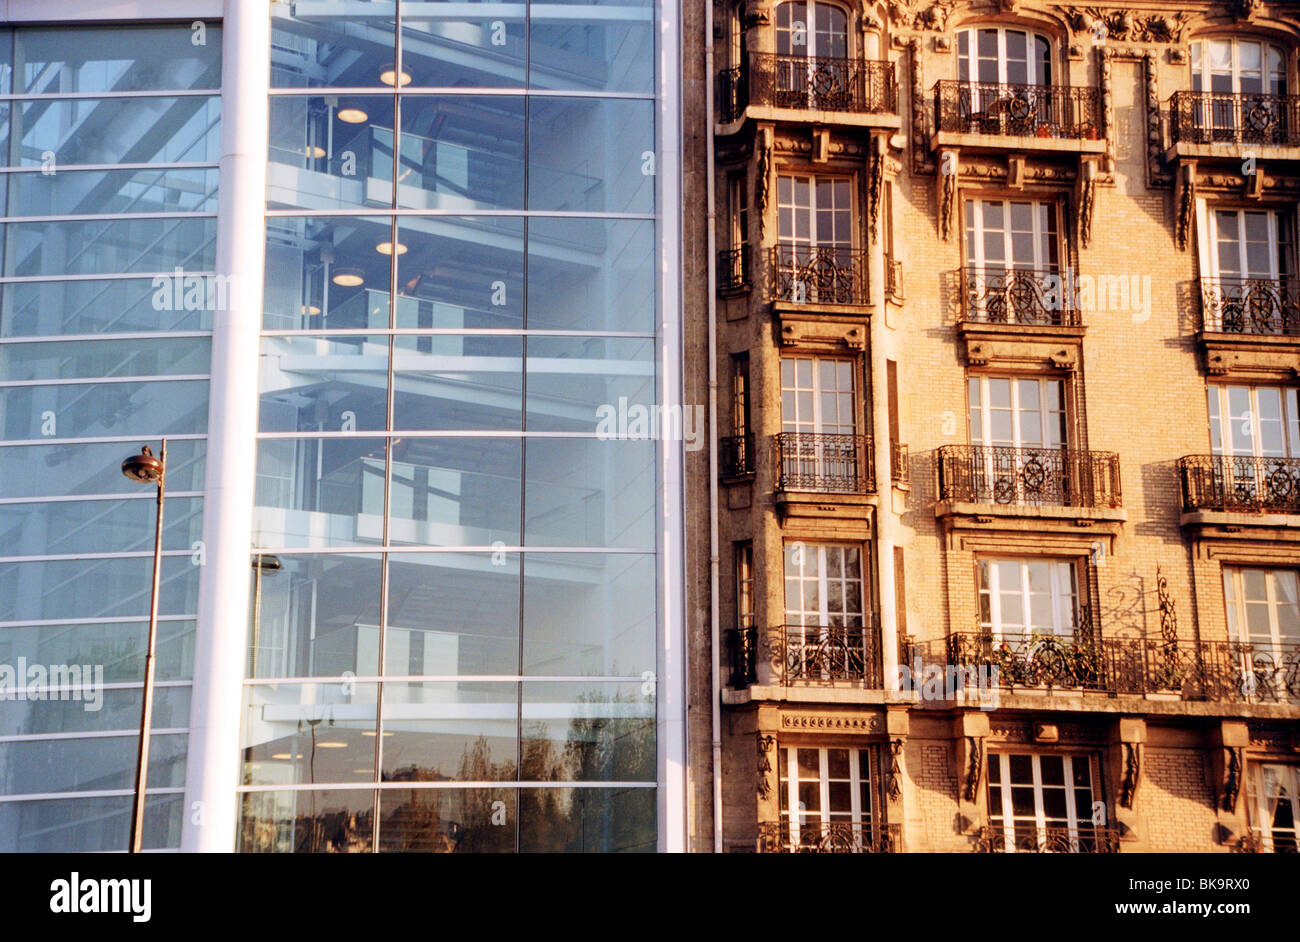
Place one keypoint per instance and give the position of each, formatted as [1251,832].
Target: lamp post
[144,468]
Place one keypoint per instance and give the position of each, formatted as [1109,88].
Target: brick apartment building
[1000,315]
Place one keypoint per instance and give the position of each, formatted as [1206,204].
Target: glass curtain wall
[110,140]
[453,623]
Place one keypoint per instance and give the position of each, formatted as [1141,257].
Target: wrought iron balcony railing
[823,653]
[733,270]
[825,463]
[742,644]
[818,274]
[1224,118]
[1016,296]
[1218,671]
[1264,306]
[1009,110]
[737,456]
[809,83]
[1027,838]
[838,837]
[900,471]
[1256,841]
[1040,477]
[1240,483]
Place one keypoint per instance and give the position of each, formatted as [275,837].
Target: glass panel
[96,358]
[591,155]
[97,526]
[119,305]
[314,616]
[110,246]
[324,383]
[452,383]
[81,765]
[450,732]
[589,613]
[319,492]
[68,469]
[588,492]
[86,825]
[585,45]
[332,152]
[588,733]
[308,734]
[448,820]
[93,409]
[88,192]
[461,153]
[460,272]
[90,708]
[119,647]
[587,820]
[89,59]
[90,131]
[327,272]
[453,614]
[446,44]
[455,491]
[590,274]
[340,44]
[605,384]
[306,822]
[91,589]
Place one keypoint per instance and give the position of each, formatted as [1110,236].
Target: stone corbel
[946,192]
[822,334]
[1185,200]
[756,14]
[1129,740]
[821,145]
[875,183]
[764,745]
[762,178]
[1228,761]
[1016,171]
[970,739]
[1087,198]
[1131,775]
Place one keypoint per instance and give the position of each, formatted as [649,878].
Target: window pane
[460,153]
[455,491]
[461,272]
[452,383]
[68,469]
[86,192]
[330,153]
[85,130]
[588,492]
[109,246]
[327,272]
[450,732]
[94,711]
[319,492]
[306,822]
[588,732]
[97,764]
[601,384]
[329,384]
[451,46]
[97,526]
[589,155]
[90,306]
[308,733]
[118,646]
[348,44]
[602,47]
[96,358]
[113,59]
[94,409]
[88,824]
[448,820]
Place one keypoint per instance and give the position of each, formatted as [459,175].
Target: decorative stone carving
[1232,772]
[1245,9]
[1132,773]
[1156,173]
[974,766]
[1087,200]
[756,14]
[921,162]
[947,192]
[1185,198]
[833,334]
[893,787]
[1123,26]
[875,183]
[765,744]
[761,182]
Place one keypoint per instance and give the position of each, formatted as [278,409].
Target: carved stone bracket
[764,744]
[1132,774]
[762,179]
[1087,197]
[875,183]
[893,774]
[946,193]
[1185,200]
[1107,104]
[974,767]
[756,14]
[1233,770]
[833,334]
[921,162]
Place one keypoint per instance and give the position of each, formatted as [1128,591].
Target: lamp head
[143,468]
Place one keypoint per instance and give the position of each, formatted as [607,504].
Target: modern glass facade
[109,189]
[455,625]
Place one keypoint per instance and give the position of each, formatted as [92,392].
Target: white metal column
[211,809]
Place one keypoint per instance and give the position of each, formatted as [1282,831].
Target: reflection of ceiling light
[314,151]
[310,310]
[347,277]
[386,248]
[371,732]
[286,755]
[332,745]
[389,76]
[352,115]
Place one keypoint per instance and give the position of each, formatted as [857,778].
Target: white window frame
[823,617]
[1273,82]
[811,47]
[819,423]
[1236,602]
[1063,590]
[1288,777]
[1280,264]
[1039,821]
[789,207]
[972,58]
[795,819]
[1050,427]
[1220,398]
[1045,230]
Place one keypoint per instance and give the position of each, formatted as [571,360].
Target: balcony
[900,471]
[1042,117]
[801,655]
[825,463]
[1017,297]
[736,456]
[839,837]
[1028,477]
[1240,484]
[818,275]
[1261,307]
[1028,839]
[803,83]
[733,272]
[1257,841]
[1200,119]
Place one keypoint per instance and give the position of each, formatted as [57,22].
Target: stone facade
[870,200]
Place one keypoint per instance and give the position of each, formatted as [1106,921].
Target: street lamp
[144,468]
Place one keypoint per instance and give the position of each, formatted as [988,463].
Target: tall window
[740,394]
[1263,606]
[745,585]
[1238,67]
[1017,412]
[1015,234]
[1041,802]
[817,396]
[825,612]
[825,797]
[1028,596]
[812,29]
[1000,55]
[1274,792]
[815,211]
[1255,421]
[1251,244]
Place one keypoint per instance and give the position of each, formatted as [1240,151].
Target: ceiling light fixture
[386,248]
[347,277]
[389,76]
[353,115]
